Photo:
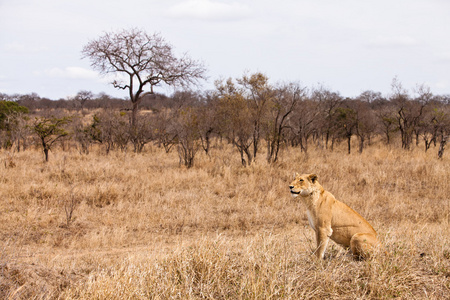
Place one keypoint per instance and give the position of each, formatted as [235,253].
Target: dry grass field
[142,227]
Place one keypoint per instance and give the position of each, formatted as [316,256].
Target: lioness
[333,219]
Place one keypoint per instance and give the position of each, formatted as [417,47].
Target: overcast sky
[348,46]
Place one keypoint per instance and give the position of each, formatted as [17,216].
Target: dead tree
[442,146]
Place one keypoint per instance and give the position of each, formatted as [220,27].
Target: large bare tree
[145,61]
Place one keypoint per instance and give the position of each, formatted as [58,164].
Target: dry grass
[144,227]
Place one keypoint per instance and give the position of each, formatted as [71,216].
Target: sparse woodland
[192,200]
[248,113]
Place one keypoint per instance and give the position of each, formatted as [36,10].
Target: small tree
[282,104]
[328,102]
[442,146]
[233,113]
[144,132]
[50,130]
[386,115]
[365,121]
[10,121]
[20,131]
[410,112]
[8,108]
[70,203]
[186,127]
[207,121]
[163,129]
[83,96]
[258,93]
[346,121]
[111,129]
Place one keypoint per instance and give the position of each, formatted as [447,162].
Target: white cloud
[392,41]
[209,10]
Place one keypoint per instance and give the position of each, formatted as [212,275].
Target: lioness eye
[301,180]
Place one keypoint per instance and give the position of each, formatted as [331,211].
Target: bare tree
[433,124]
[207,121]
[346,121]
[365,121]
[144,131]
[329,102]
[423,98]
[143,60]
[186,127]
[370,96]
[409,111]
[163,128]
[234,115]
[247,104]
[20,132]
[305,123]
[111,129]
[282,105]
[387,117]
[257,92]
[441,127]
[82,96]
[81,135]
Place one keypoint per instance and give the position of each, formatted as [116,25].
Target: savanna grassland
[139,226]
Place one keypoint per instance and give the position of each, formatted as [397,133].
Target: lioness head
[303,185]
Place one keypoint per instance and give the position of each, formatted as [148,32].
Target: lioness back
[346,222]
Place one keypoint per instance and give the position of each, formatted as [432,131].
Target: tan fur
[333,219]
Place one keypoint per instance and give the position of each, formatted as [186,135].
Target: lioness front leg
[322,238]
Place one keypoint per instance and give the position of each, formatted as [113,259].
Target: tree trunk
[442,146]
[303,143]
[277,149]
[134,112]
[273,148]
[349,142]
[388,137]
[361,143]
[249,156]
[46,154]
[255,144]
[206,142]
[244,163]
[427,144]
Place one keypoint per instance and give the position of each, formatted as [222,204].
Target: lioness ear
[313,177]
